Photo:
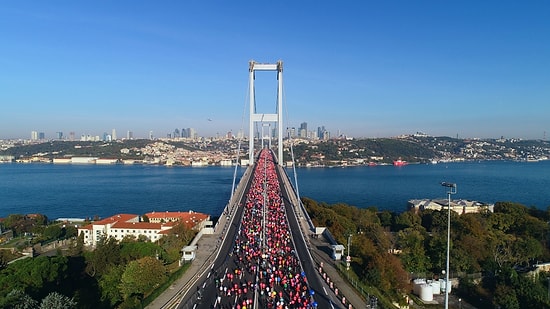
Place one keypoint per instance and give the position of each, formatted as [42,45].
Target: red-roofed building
[191,219]
[122,225]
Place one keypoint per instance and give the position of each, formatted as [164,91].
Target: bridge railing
[302,210]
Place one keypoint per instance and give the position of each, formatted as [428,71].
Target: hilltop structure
[458,206]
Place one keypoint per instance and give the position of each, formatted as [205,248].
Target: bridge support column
[259,117]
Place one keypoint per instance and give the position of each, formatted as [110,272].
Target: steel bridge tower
[255,117]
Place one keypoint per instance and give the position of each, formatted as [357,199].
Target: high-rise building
[34,135]
[290,132]
[107,137]
[129,135]
[320,132]
[192,133]
[41,135]
[113,135]
[59,135]
[150,135]
[176,133]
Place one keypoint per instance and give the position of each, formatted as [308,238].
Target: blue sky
[365,68]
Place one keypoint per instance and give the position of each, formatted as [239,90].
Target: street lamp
[451,190]
[348,258]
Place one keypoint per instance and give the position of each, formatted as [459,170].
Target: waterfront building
[6,158]
[83,160]
[459,206]
[62,160]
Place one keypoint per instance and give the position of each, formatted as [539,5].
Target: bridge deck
[260,258]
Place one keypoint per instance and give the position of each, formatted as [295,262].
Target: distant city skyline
[365,69]
[299,132]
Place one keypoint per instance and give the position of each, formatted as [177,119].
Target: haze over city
[365,69]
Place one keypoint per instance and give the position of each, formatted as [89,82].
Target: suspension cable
[291,142]
[241,133]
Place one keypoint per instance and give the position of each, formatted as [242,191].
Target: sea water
[103,190]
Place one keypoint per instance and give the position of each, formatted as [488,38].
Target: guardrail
[208,264]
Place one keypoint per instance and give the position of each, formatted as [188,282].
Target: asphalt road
[207,294]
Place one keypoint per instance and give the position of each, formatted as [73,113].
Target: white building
[123,225]
[458,206]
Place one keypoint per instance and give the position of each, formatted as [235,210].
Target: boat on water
[399,162]
[372,164]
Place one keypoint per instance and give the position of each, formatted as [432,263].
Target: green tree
[413,256]
[18,299]
[506,298]
[141,276]
[134,250]
[407,219]
[171,244]
[57,301]
[4,259]
[52,232]
[78,248]
[38,275]
[109,284]
[526,249]
[70,231]
[105,255]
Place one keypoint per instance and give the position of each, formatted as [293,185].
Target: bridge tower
[253,66]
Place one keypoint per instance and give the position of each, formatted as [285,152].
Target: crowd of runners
[263,267]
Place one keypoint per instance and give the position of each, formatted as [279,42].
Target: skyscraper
[321,132]
[191,133]
[290,132]
[129,135]
[303,130]
[113,135]
[34,135]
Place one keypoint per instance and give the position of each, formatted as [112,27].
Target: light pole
[451,190]
[348,258]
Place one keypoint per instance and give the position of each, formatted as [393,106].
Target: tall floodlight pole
[451,189]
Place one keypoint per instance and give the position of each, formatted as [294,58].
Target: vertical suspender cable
[291,142]
[239,146]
